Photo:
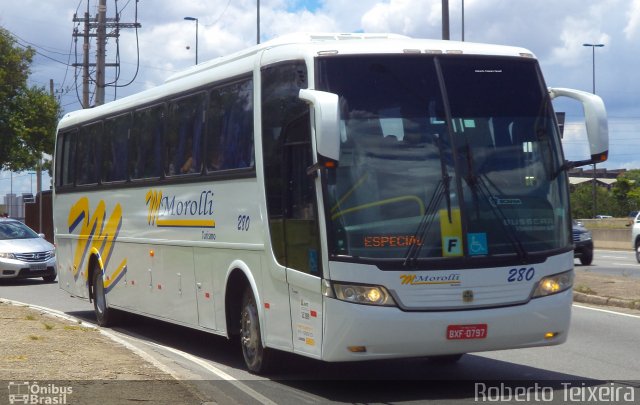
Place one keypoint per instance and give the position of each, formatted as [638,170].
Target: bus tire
[104,315]
[256,357]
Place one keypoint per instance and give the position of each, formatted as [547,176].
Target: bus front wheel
[255,355]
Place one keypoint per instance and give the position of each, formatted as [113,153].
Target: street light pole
[593,73]
[462,20]
[196,20]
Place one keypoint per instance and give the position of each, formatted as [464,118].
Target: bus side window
[146,135]
[230,127]
[115,148]
[66,156]
[183,137]
[89,154]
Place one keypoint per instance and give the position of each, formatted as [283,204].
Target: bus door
[302,238]
[292,209]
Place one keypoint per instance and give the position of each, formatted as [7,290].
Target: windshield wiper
[442,190]
[425,224]
[478,184]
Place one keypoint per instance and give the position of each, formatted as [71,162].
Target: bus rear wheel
[256,357]
[104,314]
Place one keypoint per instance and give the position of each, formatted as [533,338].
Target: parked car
[635,236]
[24,253]
[582,243]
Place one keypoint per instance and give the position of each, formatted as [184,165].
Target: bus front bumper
[359,332]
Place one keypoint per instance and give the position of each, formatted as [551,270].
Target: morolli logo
[438,279]
[174,211]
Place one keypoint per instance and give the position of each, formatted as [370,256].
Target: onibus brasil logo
[26,392]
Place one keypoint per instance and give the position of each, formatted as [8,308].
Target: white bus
[343,197]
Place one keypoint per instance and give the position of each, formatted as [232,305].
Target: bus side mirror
[595,116]
[326,115]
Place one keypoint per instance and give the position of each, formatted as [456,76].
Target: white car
[635,236]
[24,253]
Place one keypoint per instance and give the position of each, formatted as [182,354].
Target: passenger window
[146,136]
[230,127]
[183,139]
[66,155]
[89,154]
[115,148]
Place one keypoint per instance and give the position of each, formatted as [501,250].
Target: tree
[582,201]
[28,115]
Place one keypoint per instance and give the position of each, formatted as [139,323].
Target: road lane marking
[607,311]
[215,370]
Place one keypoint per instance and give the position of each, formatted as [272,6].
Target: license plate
[38,266]
[458,332]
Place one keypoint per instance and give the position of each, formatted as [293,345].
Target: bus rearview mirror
[326,118]
[595,116]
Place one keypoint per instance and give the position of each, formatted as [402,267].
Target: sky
[553,30]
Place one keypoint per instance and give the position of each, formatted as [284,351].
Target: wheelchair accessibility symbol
[477,244]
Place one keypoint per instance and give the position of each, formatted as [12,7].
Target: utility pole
[85,61]
[100,52]
[96,27]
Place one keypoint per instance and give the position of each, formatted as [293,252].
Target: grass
[48,326]
[584,289]
[78,327]
[30,318]
[34,337]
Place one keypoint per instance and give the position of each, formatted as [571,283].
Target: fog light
[357,349]
[550,335]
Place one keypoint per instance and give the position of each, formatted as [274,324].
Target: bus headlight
[358,293]
[554,284]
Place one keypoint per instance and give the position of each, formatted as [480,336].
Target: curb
[606,301]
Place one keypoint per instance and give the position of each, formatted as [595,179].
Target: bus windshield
[442,157]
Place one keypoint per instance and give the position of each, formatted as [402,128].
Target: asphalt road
[614,262]
[602,346]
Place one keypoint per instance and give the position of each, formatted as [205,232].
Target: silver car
[635,236]
[24,253]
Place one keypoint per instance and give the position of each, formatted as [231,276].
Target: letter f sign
[452,246]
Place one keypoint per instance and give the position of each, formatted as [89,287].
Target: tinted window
[65,170]
[146,137]
[230,127]
[286,134]
[89,154]
[115,148]
[183,138]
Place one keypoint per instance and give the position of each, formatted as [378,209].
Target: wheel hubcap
[249,330]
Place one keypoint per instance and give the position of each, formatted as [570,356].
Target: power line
[96,27]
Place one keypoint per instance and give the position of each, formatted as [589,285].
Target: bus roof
[292,45]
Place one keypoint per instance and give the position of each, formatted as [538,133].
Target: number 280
[521,274]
